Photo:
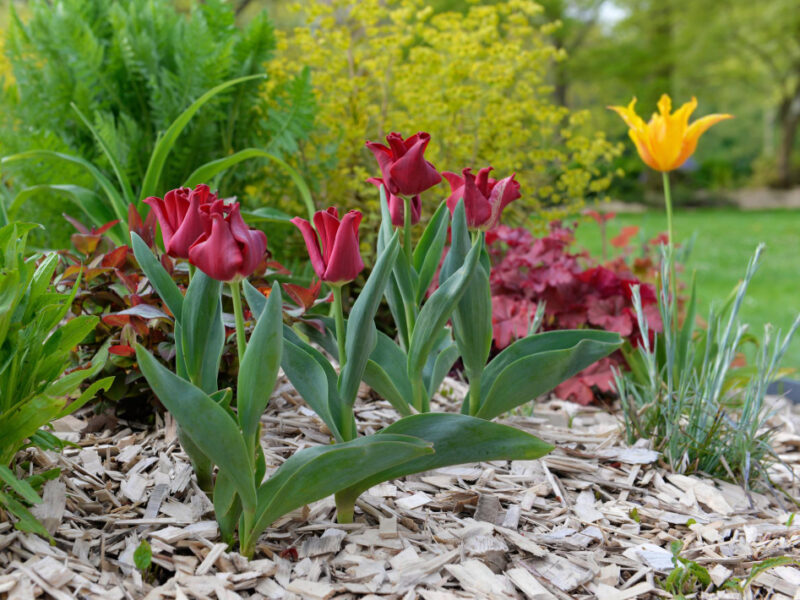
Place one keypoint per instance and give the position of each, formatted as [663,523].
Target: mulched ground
[595,519]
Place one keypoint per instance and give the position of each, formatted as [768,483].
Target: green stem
[671,239]
[345,507]
[338,314]
[474,395]
[419,397]
[407,229]
[241,342]
[247,541]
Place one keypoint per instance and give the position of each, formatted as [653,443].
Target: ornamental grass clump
[684,397]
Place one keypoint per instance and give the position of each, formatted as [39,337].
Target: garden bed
[593,519]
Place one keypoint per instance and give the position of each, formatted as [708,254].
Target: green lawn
[726,239]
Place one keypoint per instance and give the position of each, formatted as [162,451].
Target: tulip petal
[504,192]
[312,245]
[217,254]
[157,206]
[412,174]
[345,263]
[327,224]
[454,179]
[383,155]
[398,146]
[191,227]
[693,133]
[482,181]
[252,242]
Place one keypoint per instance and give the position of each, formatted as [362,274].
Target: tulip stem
[407,229]
[338,314]
[236,295]
[671,239]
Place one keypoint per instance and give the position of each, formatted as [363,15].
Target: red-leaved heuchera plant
[577,294]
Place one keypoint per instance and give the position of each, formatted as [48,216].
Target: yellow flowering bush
[476,81]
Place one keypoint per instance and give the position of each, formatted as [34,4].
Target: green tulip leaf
[161,281]
[204,421]
[227,507]
[393,294]
[259,368]
[437,311]
[314,473]
[472,324]
[536,364]
[429,249]
[386,374]
[361,331]
[438,366]
[456,439]
[201,323]
[255,299]
[313,378]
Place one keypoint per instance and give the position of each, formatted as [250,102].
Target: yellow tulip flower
[667,140]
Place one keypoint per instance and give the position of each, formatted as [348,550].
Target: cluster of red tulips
[198,226]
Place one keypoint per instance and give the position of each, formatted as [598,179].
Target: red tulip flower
[397,208]
[179,216]
[339,260]
[484,197]
[403,166]
[228,250]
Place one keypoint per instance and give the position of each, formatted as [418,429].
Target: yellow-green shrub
[477,81]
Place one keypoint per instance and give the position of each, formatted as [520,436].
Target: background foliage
[476,78]
[132,66]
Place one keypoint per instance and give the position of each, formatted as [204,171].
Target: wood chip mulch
[595,519]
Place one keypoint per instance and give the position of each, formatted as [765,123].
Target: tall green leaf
[204,421]
[209,170]
[150,184]
[437,311]
[259,368]
[163,283]
[201,308]
[361,331]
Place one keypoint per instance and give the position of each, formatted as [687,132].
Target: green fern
[132,67]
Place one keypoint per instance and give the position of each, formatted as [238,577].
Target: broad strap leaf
[259,368]
[546,360]
[204,421]
[456,439]
[165,142]
[437,311]
[161,281]
[317,472]
[200,322]
[361,331]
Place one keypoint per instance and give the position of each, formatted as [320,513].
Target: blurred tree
[757,45]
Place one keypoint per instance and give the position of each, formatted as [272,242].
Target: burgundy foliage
[577,292]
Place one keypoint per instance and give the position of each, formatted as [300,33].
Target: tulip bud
[403,166]
[484,197]
[339,260]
